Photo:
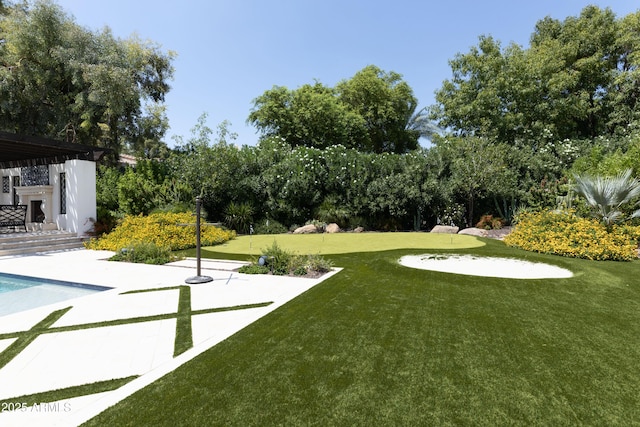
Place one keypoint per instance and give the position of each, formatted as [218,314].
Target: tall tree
[145,142]
[208,164]
[61,80]
[373,111]
[386,103]
[3,7]
[586,47]
[478,169]
[565,84]
[475,100]
[625,93]
[310,116]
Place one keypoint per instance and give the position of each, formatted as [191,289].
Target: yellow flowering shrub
[568,235]
[162,229]
[633,231]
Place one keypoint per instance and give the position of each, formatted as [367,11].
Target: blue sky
[231,51]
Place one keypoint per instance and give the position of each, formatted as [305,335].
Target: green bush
[270,226]
[299,271]
[105,222]
[137,189]
[281,262]
[331,210]
[318,264]
[238,216]
[254,269]
[278,259]
[358,221]
[177,207]
[452,214]
[144,253]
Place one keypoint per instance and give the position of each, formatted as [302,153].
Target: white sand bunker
[485,266]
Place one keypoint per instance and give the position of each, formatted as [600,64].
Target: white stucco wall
[81,195]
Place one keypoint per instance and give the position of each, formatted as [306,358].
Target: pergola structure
[55,180]
[20,151]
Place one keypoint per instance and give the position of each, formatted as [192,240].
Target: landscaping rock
[492,234]
[499,234]
[332,228]
[358,229]
[474,231]
[445,229]
[306,229]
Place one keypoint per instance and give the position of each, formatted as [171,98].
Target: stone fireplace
[37,214]
[38,199]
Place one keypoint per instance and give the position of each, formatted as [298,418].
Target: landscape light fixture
[198,278]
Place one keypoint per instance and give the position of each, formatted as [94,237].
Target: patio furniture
[13,216]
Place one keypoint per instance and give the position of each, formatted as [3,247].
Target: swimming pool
[19,293]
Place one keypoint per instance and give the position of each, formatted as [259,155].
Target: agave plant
[608,194]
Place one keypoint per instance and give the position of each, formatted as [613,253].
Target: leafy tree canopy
[387,104]
[577,79]
[310,116]
[60,80]
[374,111]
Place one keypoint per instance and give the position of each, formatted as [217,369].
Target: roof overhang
[21,150]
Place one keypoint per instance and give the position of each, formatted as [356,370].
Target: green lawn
[342,243]
[380,344]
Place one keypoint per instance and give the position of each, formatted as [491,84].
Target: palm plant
[608,194]
[422,125]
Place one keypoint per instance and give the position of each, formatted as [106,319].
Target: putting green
[342,243]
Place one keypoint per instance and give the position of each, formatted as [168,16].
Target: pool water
[19,293]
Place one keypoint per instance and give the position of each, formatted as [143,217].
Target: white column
[81,195]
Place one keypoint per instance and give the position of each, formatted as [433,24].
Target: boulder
[332,228]
[499,234]
[445,229]
[358,229]
[306,229]
[474,231]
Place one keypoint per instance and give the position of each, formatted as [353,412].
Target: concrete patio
[118,335]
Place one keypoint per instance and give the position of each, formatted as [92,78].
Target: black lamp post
[198,278]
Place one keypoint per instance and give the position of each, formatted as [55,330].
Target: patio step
[38,242]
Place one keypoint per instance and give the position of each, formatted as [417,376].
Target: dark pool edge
[58,282]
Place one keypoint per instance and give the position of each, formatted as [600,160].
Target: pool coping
[59,282]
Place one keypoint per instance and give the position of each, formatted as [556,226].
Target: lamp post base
[198,279]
